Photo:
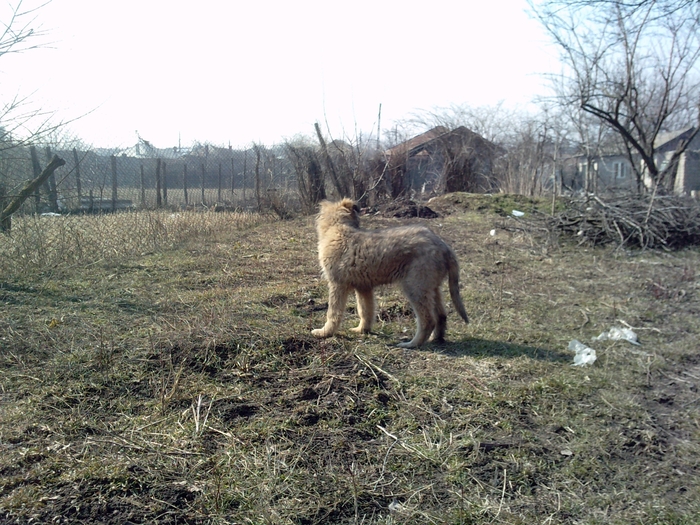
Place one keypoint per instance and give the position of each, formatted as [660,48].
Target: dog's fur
[360,260]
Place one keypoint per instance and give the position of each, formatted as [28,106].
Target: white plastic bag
[584,354]
[618,334]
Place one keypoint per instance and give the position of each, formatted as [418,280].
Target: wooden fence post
[114,183]
[233,184]
[77,176]
[53,191]
[159,201]
[257,177]
[143,188]
[245,169]
[165,184]
[218,194]
[203,177]
[184,183]
[36,169]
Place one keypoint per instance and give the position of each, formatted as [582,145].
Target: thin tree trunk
[340,185]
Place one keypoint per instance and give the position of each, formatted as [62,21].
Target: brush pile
[632,221]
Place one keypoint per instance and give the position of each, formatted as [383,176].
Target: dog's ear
[348,205]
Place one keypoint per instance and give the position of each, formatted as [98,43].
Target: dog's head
[344,212]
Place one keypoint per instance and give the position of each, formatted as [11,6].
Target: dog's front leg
[337,297]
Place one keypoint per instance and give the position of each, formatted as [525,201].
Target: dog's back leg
[440,317]
[423,303]
[365,309]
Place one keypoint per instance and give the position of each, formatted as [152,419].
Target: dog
[356,259]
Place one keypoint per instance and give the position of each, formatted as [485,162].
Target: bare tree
[340,183]
[29,188]
[634,66]
[20,121]
[591,134]
[350,165]
[307,163]
[20,124]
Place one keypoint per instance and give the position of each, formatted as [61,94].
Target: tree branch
[28,190]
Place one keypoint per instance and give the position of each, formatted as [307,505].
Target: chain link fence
[164,196]
[145,177]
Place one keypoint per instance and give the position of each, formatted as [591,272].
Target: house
[686,176]
[613,171]
[442,160]
[143,149]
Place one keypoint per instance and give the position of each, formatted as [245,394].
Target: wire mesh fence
[142,176]
[164,196]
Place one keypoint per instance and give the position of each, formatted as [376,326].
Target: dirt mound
[403,209]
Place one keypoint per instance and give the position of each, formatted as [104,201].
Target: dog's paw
[407,344]
[360,330]
[319,332]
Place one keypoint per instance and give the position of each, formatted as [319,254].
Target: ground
[181,385]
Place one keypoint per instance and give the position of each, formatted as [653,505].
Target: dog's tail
[453,281]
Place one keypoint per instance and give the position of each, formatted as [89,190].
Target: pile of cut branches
[641,221]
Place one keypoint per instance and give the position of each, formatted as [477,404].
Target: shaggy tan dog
[360,260]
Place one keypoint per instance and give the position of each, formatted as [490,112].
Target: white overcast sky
[241,71]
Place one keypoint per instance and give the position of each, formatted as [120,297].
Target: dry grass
[179,385]
[39,242]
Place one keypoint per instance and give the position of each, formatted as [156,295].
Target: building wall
[613,172]
[689,172]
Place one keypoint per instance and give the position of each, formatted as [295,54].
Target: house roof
[419,140]
[418,144]
[146,151]
[665,140]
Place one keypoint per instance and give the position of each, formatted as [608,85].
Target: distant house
[210,151]
[143,149]
[614,172]
[611,172]
[442,160]
[687,171]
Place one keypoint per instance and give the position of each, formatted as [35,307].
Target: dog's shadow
[477,347]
